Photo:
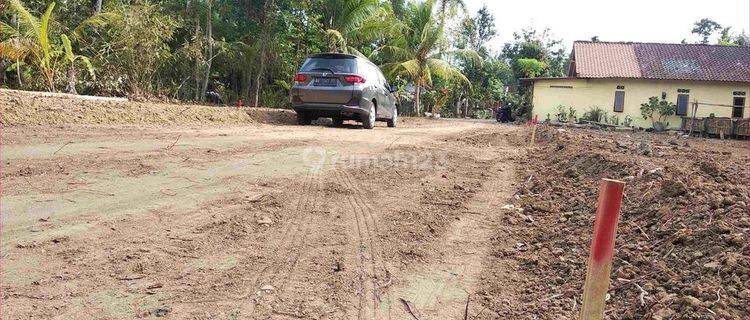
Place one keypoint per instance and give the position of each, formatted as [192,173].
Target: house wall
[582,94]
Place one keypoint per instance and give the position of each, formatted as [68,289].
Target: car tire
[338,122]
[368,121]
[394,119]
[304,119]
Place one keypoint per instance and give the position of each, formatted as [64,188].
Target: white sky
[667,21]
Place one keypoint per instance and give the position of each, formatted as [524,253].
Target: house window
[682,104]
[739,93]
[683,90]
[619,100]
[738,111]
[620,87]
[562,87]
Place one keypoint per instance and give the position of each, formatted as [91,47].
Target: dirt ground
[257,218]
[260,221]
[681,250]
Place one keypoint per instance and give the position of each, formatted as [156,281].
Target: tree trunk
[257,82]
[466,108]
[18,73]
[97,6]
[263,45]
[248,90]
[417,90]
[457,107]
[196,70]
[209,38]
[71,87]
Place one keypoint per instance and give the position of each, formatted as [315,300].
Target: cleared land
[237,216]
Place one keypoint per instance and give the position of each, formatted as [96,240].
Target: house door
[739,107]
[682,104]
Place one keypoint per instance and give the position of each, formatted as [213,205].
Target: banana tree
[30,40]
[71,59]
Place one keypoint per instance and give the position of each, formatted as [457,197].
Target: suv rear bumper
[331,110]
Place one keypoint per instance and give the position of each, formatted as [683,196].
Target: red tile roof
[660,61]
[605,60]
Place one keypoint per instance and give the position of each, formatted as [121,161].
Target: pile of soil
[681,250]
[31,108]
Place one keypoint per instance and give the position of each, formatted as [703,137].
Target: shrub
[572,114]
[613,120]
[562,113]
[657,110]
[595,114]
[627,121]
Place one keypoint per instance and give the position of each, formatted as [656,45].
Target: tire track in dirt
[287,244]
[381,286]
[311,207]
[292,240]
[368,251]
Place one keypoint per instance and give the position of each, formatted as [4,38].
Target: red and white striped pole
[602,249]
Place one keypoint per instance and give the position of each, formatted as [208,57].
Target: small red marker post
[602,249]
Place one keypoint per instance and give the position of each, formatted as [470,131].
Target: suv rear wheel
[368,121]
[303,119]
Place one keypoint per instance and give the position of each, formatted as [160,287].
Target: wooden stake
[602,249]
[533,136]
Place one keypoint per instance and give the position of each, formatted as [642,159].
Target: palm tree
[343,19]
[417,52]
[449,7]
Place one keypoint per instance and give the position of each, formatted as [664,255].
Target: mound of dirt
[31,108]
[682,243]
[272,116]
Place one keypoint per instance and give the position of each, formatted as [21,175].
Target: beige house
[619,76]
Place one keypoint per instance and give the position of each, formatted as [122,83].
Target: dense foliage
[435,53]
[431,50]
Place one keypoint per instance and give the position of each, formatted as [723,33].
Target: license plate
[327,82]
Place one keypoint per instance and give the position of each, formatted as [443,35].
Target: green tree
[705,28]
[31,40]
[448,8]
[727,38]
[343,18]
[541,46]
[530,68]
[416,53]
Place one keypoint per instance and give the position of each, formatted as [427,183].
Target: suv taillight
[300,77]
[354,79]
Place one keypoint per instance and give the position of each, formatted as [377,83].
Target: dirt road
[259,221]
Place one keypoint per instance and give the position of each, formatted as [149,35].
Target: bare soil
[236,214]
[682,244]
[265,220]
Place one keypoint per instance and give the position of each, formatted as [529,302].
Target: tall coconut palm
[417,54]
[449,8]
[345,18]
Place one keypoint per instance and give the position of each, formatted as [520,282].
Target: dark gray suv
[342,87]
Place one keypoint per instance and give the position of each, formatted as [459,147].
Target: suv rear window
[337,65]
